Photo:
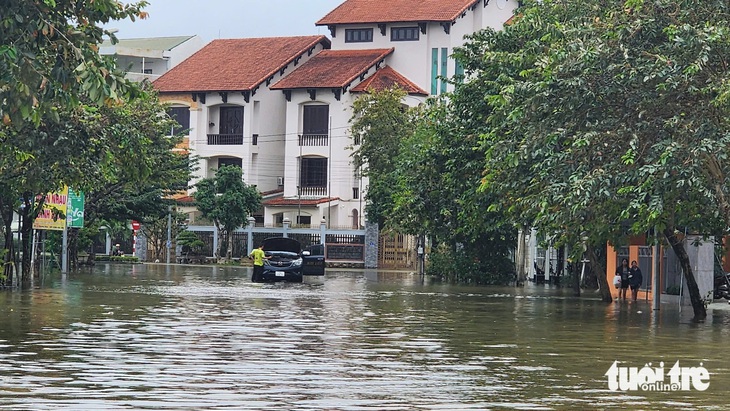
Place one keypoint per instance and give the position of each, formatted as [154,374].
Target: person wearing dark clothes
[635,279]
[624,271]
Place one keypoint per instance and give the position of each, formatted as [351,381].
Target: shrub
[464,266]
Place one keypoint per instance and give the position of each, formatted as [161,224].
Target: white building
[280,107]
[222,95]
[149,58]
[374,44]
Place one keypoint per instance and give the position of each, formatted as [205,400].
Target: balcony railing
[312,191]
[313,140]
[225,139]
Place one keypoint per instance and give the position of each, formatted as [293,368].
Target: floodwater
[205,338]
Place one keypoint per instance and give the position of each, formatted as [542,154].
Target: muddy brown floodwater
[205,338]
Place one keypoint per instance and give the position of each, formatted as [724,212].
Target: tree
[189,242]
[424,166]
[610,118]
[380,121]
[49,56]
[155,229]
[121,156]
[227,201]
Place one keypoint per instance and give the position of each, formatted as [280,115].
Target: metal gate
[396,251]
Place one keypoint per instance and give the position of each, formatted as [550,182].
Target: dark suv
[288,262]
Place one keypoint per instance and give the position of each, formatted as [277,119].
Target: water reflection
[178,337]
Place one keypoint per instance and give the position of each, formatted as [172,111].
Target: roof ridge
[374,11]
[237,70]
[318,64]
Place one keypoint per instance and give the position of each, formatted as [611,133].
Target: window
[231,121]
[358,35]
[444,68]
[147,71]
[434,71]
[459,71]
[304,220]
[355,193]
[316,120]
[230,161]
[182,116]
[314,172]
[404,34]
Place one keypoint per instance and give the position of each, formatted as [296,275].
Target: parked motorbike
[722,287]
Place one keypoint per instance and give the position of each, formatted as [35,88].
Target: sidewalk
[719,305]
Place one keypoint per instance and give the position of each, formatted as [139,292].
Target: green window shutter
[444,68]
[434,71]
[459,70]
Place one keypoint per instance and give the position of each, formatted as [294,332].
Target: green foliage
[155,229]
[609,119]
[49,57]
[190,242]
[227,201]
[425,174]
[118,258]
[467,265]
[121,156]
[379,123]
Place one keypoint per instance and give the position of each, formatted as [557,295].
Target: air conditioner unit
[280,181]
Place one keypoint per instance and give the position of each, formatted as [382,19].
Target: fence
[342,246]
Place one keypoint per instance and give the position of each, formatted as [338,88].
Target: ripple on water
[201,339]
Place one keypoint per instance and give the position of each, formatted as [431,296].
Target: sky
[214,19]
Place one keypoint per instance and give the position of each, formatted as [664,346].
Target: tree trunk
[217,253]
[698,305]
[575,271]
[8,260]
[25,249]
[599,268]
[229,249]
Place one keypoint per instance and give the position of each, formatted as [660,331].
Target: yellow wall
[611,271]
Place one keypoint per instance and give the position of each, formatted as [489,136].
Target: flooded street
[206,338]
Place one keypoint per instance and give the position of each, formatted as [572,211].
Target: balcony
[225,139]
[313,140]
[140,77]
[313,191]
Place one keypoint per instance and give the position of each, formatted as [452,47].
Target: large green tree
[424,166]
[121,156]
[380,122]
[227,201]
[49,56]
[610,119]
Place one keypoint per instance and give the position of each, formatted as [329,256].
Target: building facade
[280,108]
[150,58]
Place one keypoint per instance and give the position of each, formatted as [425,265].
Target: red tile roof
[281,201]
[386,78]
[272,192]
[332,69]
[184,199]
[236,64]
[392,11]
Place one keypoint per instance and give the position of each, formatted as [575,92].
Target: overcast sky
[213,19]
